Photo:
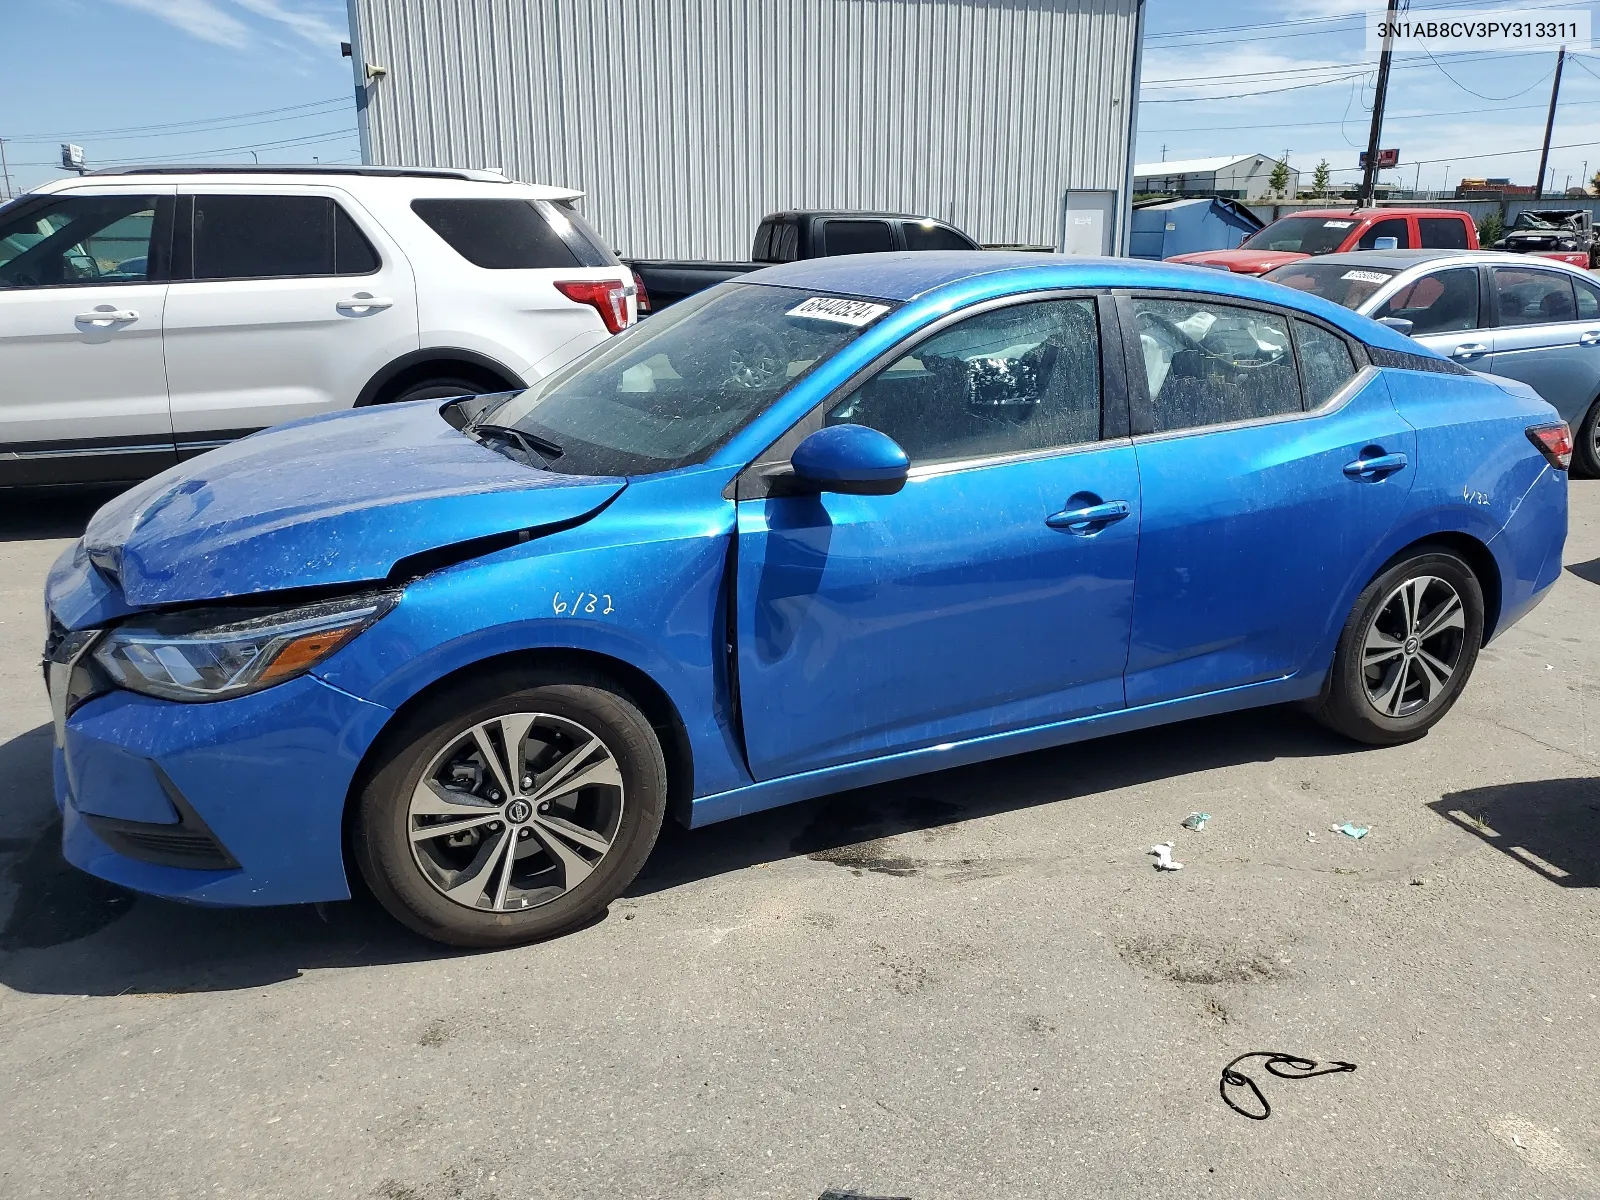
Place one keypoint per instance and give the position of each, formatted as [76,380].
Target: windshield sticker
[845,312]
[1337,224]
[1366,276]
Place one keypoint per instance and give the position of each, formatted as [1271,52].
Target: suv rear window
[276,237]
[498,235]
[857,237]
[929,236]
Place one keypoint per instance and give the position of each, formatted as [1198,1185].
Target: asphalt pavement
[966,985]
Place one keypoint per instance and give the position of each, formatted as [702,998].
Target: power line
[1425,162]
[311,139]
[196,121]
[1466,112]
[1240,95]
[177,133]
[1328,20]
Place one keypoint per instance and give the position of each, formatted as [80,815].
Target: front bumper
[142,783]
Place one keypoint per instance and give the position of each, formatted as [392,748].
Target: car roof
[419,179]
[1402,260]
[857,213]
[1375,212]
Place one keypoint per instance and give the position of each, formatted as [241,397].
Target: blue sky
[143,79]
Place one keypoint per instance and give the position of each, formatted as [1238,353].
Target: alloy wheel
[1413,646]
[515,812]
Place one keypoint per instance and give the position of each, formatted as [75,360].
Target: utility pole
[1550,119]
[1369,176]
[5,172]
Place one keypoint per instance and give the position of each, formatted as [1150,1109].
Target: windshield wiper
[530,443]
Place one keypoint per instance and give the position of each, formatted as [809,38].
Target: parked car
[836,523]
[150,314]
[792,236]
[1564,234]
[1337,230]
[1535,321]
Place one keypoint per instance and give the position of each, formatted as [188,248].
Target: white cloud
[198,18]
[309,25]
[212,21]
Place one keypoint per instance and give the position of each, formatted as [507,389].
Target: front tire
[1586,444]
[440,389]
[511,810]
[1406,651]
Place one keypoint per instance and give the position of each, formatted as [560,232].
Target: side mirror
[851,459]
[1387,243]
[1399,324]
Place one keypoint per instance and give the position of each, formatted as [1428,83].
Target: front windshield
[1339,282]
[675,387]
[1301,235]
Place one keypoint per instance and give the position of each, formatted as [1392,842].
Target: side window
[277,237]
[1006,381]
[1209,364]
[1533,297]
[498,235]
[1442,233]
[1443,302]
[79,240]
[1588,299]
[1394,227]
[1325,362]
[857,237]
[928,236]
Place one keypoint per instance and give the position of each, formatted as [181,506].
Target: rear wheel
[1406,651]
[1586,444]
[511,810]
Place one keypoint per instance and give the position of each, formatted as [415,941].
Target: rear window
[857,237]
[925,235]
[1339,282]
[1443,233]
[276,237]
[498,235]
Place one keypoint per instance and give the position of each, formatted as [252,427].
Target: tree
[1279,181]
[1321,177]
[1490,228]
[1594,184]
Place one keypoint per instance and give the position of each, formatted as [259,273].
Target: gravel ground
[966,985]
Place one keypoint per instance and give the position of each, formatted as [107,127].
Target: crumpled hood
[1240,262]
[331,500]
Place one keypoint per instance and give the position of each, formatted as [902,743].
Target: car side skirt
[774,793]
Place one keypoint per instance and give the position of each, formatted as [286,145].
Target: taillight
[608,297]
[1554,442]
[644,296]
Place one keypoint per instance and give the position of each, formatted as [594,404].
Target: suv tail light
[608,297]
[1554,442]
[644,296]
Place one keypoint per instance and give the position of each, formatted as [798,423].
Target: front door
[282,306]
[1263,489]
[991,594]
[83,388]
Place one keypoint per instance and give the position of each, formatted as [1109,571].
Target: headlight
[211,654]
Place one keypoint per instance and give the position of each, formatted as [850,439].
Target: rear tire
[1405,652]
[444,388]
[1586,444]
[518,865]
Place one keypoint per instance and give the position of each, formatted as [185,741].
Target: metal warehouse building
[685,121]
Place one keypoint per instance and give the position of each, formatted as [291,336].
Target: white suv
[148,315]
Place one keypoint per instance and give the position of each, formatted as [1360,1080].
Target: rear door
[83,387]
[992,593]
[1262,487]
[1543,339]
[284,304]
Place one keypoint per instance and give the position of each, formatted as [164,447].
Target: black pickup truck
[788,236]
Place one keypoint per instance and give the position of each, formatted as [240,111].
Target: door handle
[364,302]
[1377,467]
[1091,519]
[102,317]
[1589,337]
[1469,350]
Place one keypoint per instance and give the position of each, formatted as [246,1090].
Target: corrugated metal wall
[687,120]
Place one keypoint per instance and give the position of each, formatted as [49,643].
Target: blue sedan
[839,522]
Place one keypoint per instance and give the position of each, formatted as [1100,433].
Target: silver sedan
[1531,319]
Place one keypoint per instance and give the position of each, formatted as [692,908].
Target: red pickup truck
[1334,230]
